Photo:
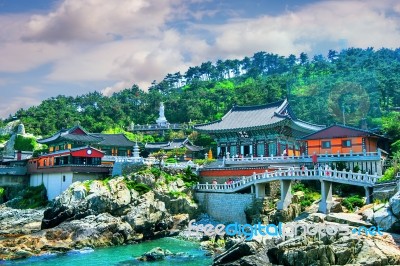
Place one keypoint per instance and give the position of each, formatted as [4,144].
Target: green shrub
[156,172]
[87,184]
[389,175]
[354,201]
[189,176]
[2,192]
[177,194]
[4,138]
[203,161]
[171,160]
[25,143]
[309,194]
[31,198]
[139,187]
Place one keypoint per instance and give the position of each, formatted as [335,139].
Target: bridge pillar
[326,197]
[252,189]
[368,195]
[260,190]
[286,194]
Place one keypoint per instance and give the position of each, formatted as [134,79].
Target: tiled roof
[256,117]
[156,145]
[116,140]
[341,131]
[68,135]
[174,144]
[67,151]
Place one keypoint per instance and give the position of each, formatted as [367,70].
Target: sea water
[123,255]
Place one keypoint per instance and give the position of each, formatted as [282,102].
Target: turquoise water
[124,255]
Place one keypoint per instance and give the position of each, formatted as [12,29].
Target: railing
[291,174]
[12,170]
[304,158]
[122,159]
[74,165]
[181,165]
[157,127]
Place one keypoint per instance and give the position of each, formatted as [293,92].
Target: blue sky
[70,47]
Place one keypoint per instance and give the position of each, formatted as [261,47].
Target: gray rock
[156,254]
[336,207]
[368,215]
[16,221]
[385,219]
[395,204]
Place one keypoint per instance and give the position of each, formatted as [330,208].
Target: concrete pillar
[251,149]
[368,195]
[260,190]
[242,150]
[252,189]
[379,168]
[326,197]
[286,194]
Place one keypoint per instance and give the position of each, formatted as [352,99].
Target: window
[326,144]
[346,143]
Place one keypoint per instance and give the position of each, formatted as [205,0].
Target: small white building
[58,170]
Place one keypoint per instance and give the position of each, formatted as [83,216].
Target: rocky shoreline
[95,214]
[112,212]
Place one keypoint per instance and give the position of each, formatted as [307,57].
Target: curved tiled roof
[116,140]
[341,131]
[69,135]
[256,117]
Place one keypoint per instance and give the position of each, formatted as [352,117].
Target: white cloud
[98,20]
[361,23]
[108,91]
[15,103]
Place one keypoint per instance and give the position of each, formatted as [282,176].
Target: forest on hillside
[347,86]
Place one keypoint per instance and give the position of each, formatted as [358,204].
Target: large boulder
[156,254]
[385,219]
[321,249]
[395,204]
[149,218]
[15,221]
[91,198]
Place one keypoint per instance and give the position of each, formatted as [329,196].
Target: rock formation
[100,213]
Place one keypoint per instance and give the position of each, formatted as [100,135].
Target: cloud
[15,103]
[108,91]
[98,20]
[305,29]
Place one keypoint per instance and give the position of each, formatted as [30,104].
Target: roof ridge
[309,123]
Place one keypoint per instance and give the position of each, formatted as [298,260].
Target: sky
[72,47]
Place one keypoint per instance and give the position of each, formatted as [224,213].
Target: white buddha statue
[161,120]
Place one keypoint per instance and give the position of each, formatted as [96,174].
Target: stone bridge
[257,184]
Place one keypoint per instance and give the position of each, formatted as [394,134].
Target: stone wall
[274,189]
[225,207]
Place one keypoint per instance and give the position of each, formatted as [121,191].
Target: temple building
[77,136]
[58,170]
[192,151]
[344,139]
[263,130]
[114,144]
